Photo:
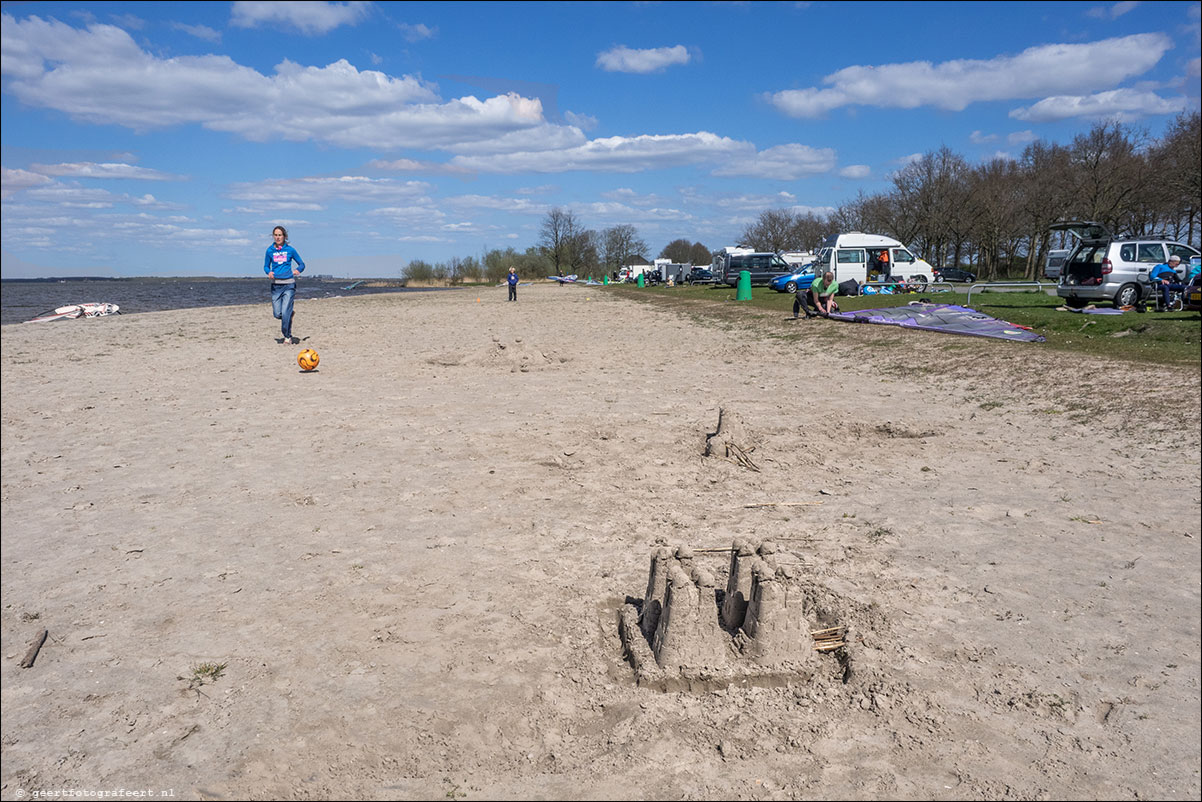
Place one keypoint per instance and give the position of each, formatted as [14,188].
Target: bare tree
[618,246]
[557,237]
[779,230]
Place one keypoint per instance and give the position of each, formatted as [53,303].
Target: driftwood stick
[829,647]
[818,632]
[34,648]
[783,504]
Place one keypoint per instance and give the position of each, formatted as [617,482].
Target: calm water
[22,300]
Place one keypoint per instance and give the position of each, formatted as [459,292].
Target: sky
[169,139]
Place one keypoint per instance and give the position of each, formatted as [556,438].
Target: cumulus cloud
[856,171]
[981,138]
[100,75]
[952,85]
[1123,105]
[783,162]
[1021,137]
[625,59]
[104,170]
[308,17]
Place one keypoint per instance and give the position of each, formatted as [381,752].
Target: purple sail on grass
[941,317]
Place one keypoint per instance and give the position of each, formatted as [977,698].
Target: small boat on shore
[71,311]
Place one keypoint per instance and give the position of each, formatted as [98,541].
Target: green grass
[1172,338]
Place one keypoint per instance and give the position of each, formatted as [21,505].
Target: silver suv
[1103,268]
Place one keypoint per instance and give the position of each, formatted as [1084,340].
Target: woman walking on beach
[278,264]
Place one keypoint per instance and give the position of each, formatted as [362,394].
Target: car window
[1149,252]
[760,261]
[1127,252]
[902,255]
[1184,251]
[1088,255]
[849,257]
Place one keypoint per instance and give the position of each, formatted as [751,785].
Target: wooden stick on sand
[34,648]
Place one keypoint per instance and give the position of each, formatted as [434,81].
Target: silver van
[1106,269]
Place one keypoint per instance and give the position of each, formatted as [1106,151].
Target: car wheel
[791,287]
[1128,295]
[919,280]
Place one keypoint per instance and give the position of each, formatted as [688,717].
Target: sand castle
[687,634]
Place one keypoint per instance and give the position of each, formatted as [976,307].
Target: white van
[858,255]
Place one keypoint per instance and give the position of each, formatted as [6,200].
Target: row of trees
[994,215]
[565,247]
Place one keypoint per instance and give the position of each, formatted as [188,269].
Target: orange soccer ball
[307,359]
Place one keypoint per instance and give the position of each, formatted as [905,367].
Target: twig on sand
[34,648]
[783,504]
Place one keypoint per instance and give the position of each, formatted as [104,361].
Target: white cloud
[269,194]
[585,122]
[625,59]
[782,162]
[16,180]
[980,138]
[199,31]
[104,170]
[100,75]
[415,166]
[307,17]
[1123,105]
[1113,11]
[615,154]
[1021,137]
[953,85]
[415,33]
[856,171]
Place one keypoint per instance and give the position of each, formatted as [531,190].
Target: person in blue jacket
[277,263]
[512,279]
[1166,274]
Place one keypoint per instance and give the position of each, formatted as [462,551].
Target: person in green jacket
[822,294]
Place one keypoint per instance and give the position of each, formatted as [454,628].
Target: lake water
[21,300]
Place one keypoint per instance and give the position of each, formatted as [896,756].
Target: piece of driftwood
[783,504]
[34,648]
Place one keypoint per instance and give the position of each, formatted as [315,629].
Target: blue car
[792,282]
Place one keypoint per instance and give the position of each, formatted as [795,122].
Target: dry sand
[410,562]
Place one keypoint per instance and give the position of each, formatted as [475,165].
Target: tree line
[994,216]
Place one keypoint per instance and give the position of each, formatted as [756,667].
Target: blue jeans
[282,296]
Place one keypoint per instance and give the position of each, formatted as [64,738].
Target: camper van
[859,256]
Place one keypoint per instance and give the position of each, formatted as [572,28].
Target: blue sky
[168,138]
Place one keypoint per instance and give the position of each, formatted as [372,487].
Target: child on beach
[278,264]
[512,280]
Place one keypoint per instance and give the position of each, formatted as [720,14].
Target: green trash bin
[743,293]
[642,284]
[605,280]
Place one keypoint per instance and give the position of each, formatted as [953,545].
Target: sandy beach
[411,561]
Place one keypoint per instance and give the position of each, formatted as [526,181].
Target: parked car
[792,282]
[1191,300]
[1055,262]
[1105,268]
[700,275]
[953,274]
[762,266]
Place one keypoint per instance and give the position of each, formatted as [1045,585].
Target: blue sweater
[276,262]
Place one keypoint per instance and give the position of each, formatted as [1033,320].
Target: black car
[954,274]
[699,275]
